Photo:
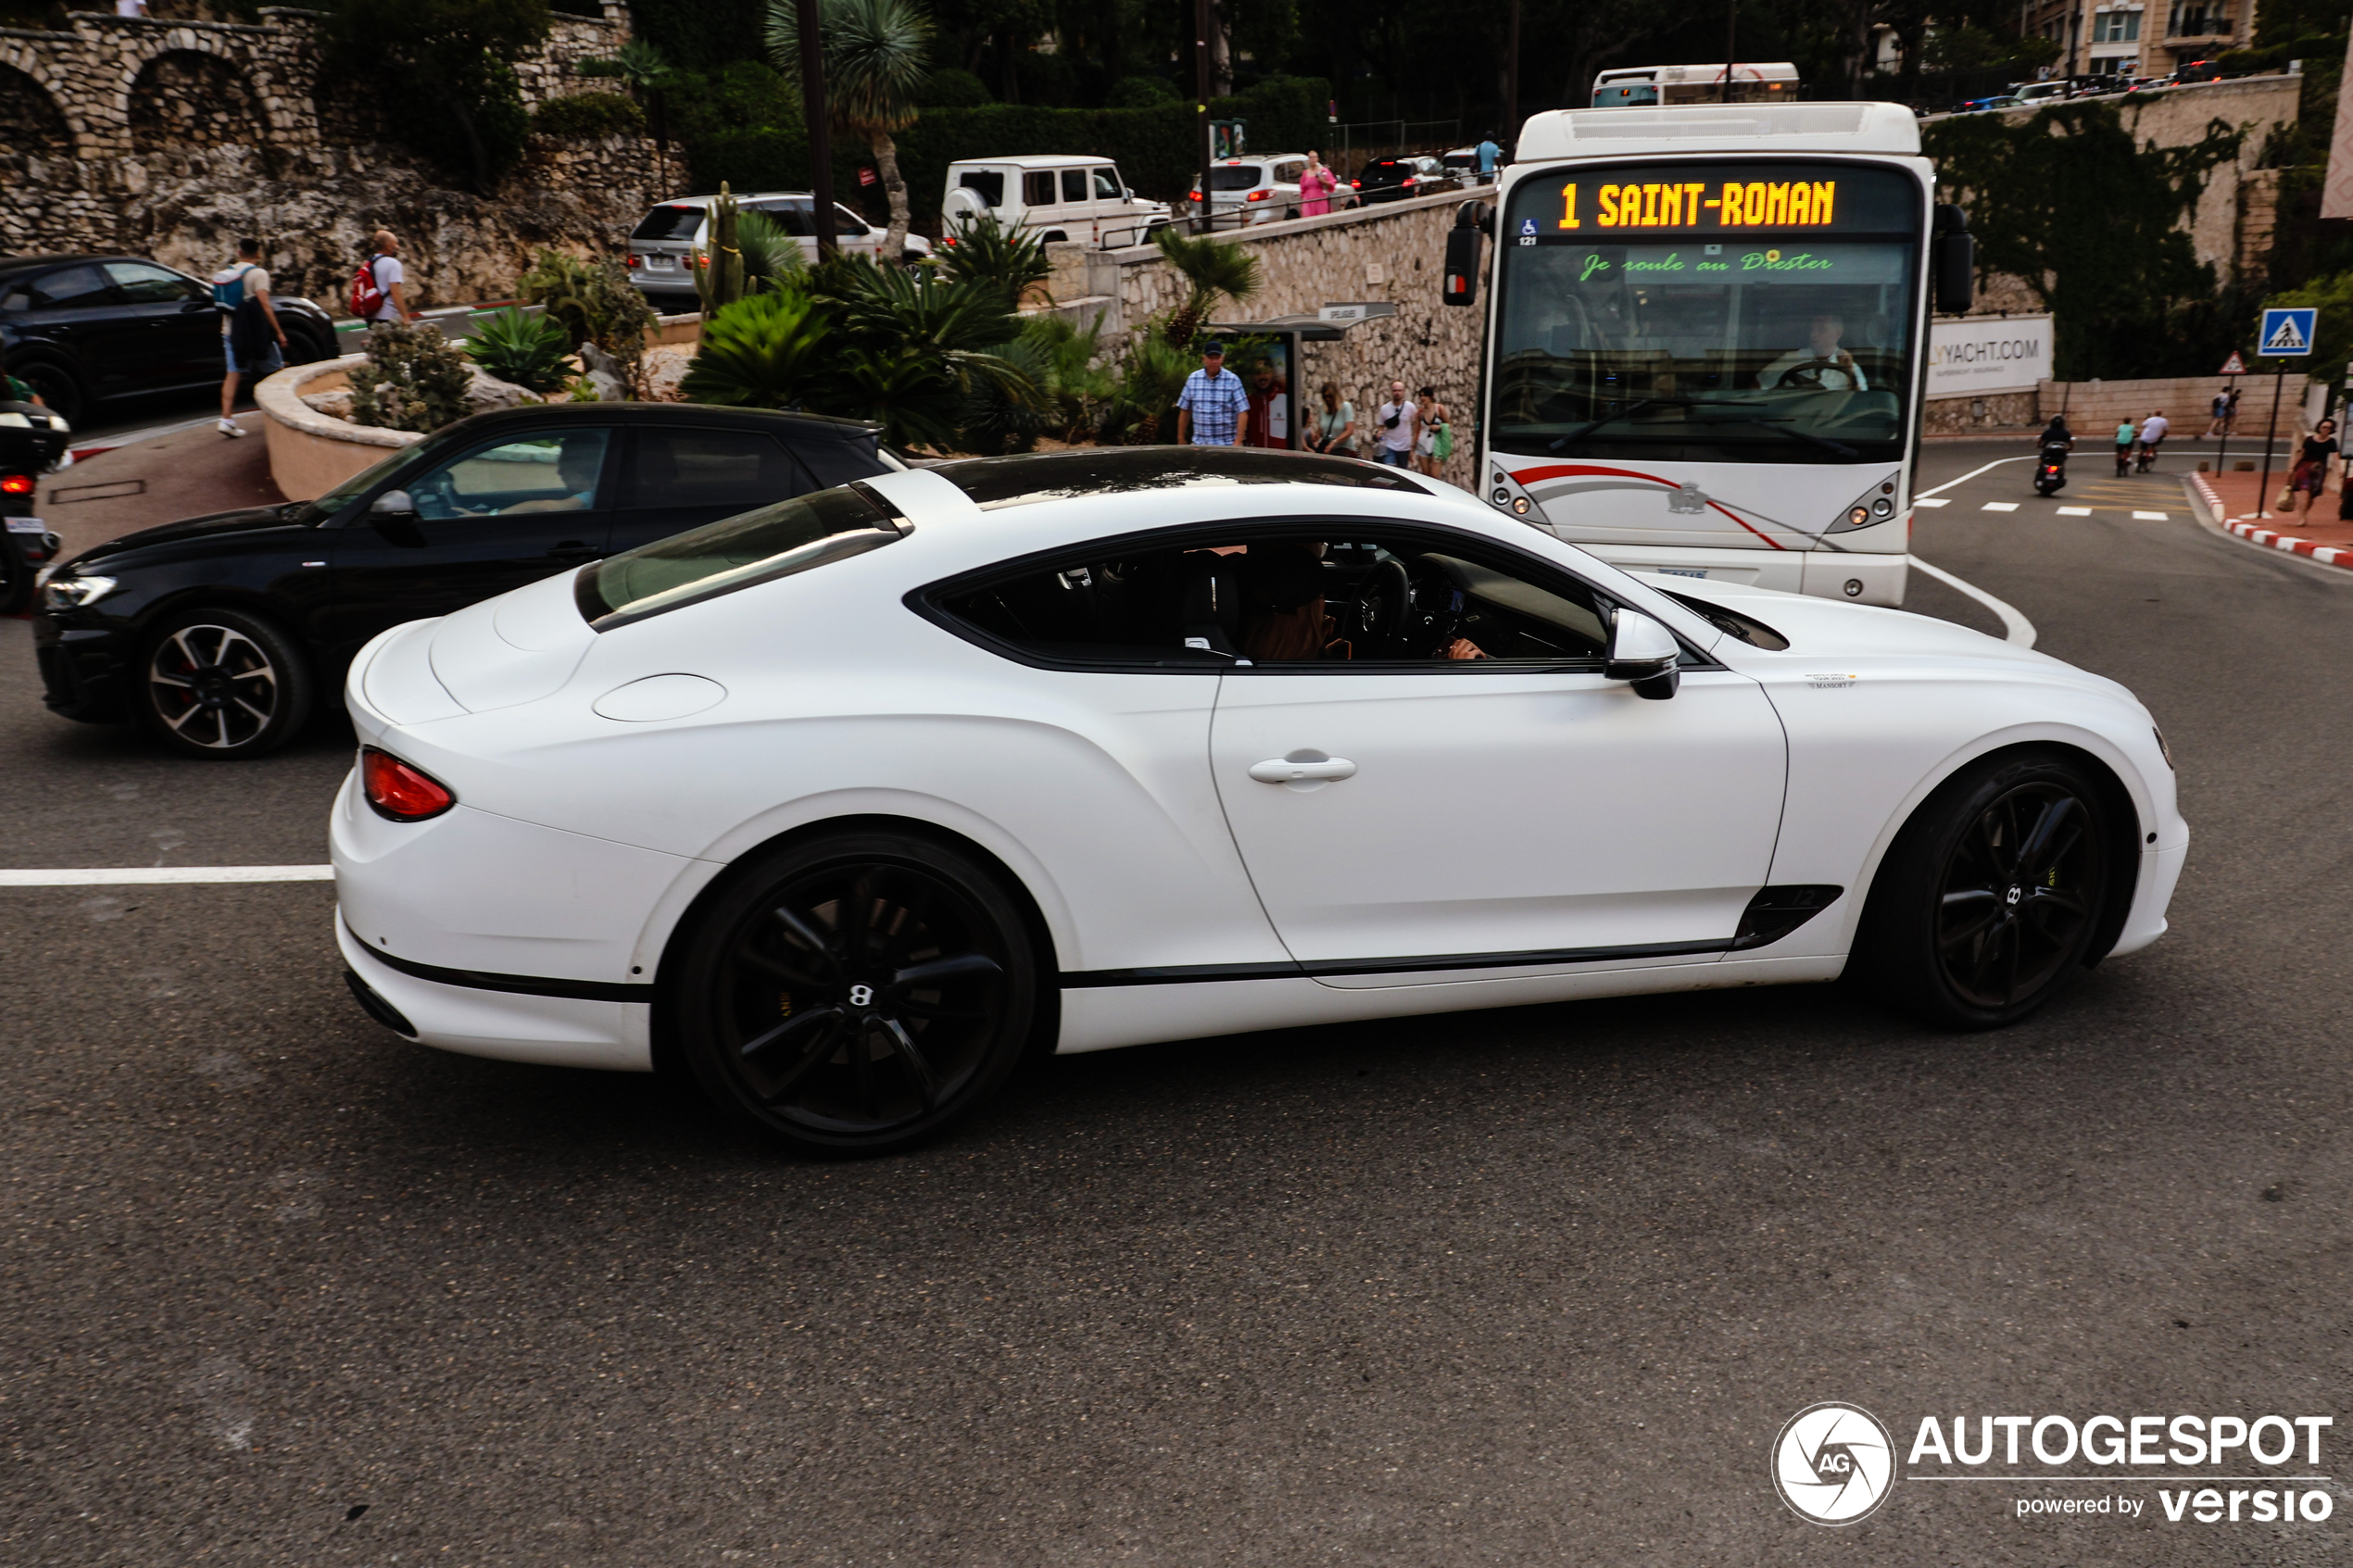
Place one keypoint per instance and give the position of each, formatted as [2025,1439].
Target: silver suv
[662,247]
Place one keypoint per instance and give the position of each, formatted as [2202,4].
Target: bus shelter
[1267,355]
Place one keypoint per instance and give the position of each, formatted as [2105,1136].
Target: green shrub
[955,88]
[1142,407]
[591,115]
[414,379]
[1138,93]
[592,302]
[525,349]
[987,253]
[1059,361]
[770,350]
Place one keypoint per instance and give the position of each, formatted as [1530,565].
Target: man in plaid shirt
[1215,410]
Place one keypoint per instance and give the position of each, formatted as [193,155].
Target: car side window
[1107,186]
[848,225]
[1336,596]
[1074,184]
[989,184]
[1038,188]
[709,468]
[1288,173]
[72,288]
[143,283]
[558,472]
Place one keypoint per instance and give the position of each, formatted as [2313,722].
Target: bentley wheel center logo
[1834,1463]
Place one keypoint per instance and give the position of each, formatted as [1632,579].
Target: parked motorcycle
[2050,469]
[32,441]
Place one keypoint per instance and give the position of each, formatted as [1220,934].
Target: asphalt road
[1531,1286]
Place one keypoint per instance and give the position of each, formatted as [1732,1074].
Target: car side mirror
[393,504]
[1645,653]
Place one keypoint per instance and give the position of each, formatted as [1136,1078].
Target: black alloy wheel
[856,994]
[55,387]
[1990,896]
[224,685]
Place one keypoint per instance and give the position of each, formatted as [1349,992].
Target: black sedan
[221,633]
[1394,178]
[83,330]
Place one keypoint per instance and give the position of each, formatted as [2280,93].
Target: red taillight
[1258,195]
[397,791]
[16,484]
[1196,196]
[635,261]
[703,260]
[1356,184]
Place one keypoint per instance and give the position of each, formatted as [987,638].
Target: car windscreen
[668,223]
[737,552]
[1733,312]
[1387,170]
[1245,177]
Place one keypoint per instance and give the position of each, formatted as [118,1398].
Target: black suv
[79,329]
[220,633]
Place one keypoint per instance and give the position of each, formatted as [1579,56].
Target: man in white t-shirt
[1394,423]
[1822,365]
[249,324]
[390,275]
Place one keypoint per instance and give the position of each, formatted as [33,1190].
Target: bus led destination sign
[1594,203]
[1735,204]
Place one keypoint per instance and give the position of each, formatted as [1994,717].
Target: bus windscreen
[1733,312]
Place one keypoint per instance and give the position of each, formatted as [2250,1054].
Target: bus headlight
[1504,494]
[1873,506]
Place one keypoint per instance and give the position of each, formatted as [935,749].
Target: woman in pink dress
[1316,188]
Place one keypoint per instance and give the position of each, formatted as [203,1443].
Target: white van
[1059,196]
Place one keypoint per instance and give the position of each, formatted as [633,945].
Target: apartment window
[2115,27]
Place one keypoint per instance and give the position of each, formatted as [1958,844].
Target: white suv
[1061,196]
[662,247]
[1263,188]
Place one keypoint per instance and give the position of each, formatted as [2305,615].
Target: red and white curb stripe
[2254,533]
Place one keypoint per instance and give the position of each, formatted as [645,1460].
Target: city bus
[1635,86]
[1705,337]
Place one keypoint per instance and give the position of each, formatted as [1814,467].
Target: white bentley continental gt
[846,803]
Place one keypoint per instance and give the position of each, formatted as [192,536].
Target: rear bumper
[510,1026]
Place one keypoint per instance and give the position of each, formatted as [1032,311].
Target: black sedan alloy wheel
[859,995]
[222,684]
[1988,902]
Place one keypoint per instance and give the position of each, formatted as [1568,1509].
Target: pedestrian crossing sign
[2286,332]
[2234,365]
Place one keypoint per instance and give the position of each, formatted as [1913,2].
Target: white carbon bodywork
[581,840]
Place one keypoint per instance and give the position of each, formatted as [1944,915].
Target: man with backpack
[375,288]
[251,338]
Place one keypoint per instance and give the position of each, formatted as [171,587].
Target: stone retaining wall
[1393,252]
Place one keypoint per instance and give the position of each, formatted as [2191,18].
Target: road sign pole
[2263,485]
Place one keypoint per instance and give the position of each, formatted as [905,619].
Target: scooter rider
[2050,465]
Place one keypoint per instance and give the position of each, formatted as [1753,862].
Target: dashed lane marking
[1939,502]
[2075,511]
[106,876]
[1999,507]
[2151,517]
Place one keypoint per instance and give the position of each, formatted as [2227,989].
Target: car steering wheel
[1807,377]
[1432,617]
[1377,608]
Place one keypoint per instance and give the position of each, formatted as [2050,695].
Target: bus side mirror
[1954,262]
[1460,285]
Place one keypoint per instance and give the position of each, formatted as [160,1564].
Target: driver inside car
[576,468]
[1283,614]
[1821,364]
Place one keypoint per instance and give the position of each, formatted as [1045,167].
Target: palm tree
[873,54]
[1217,268]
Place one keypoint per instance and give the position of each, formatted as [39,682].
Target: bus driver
[1821,364]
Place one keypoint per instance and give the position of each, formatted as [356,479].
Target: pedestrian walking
[1435,443]
[1488,156]
[2125,435]
[252,342]
[2153,430]
[1316,188]
[378,288]
[2221,425]
[1214,410]
[2310,475]
[1399,428]
[1333,430]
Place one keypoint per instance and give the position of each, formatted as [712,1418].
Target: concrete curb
[2204,499]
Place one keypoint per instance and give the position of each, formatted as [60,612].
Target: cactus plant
[718,272]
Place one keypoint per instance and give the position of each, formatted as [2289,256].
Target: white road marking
[1999,507]
[2075,511]
[107,876]
[1967,477]
[1937,503]
[2015,628]
[2151,517]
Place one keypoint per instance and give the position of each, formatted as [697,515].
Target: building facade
[2130,38]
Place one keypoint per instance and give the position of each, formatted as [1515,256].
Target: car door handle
[1282,769]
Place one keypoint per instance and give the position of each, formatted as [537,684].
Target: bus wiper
[1590,426]
[1780,427]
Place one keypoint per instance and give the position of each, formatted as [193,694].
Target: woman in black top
[2311,472]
